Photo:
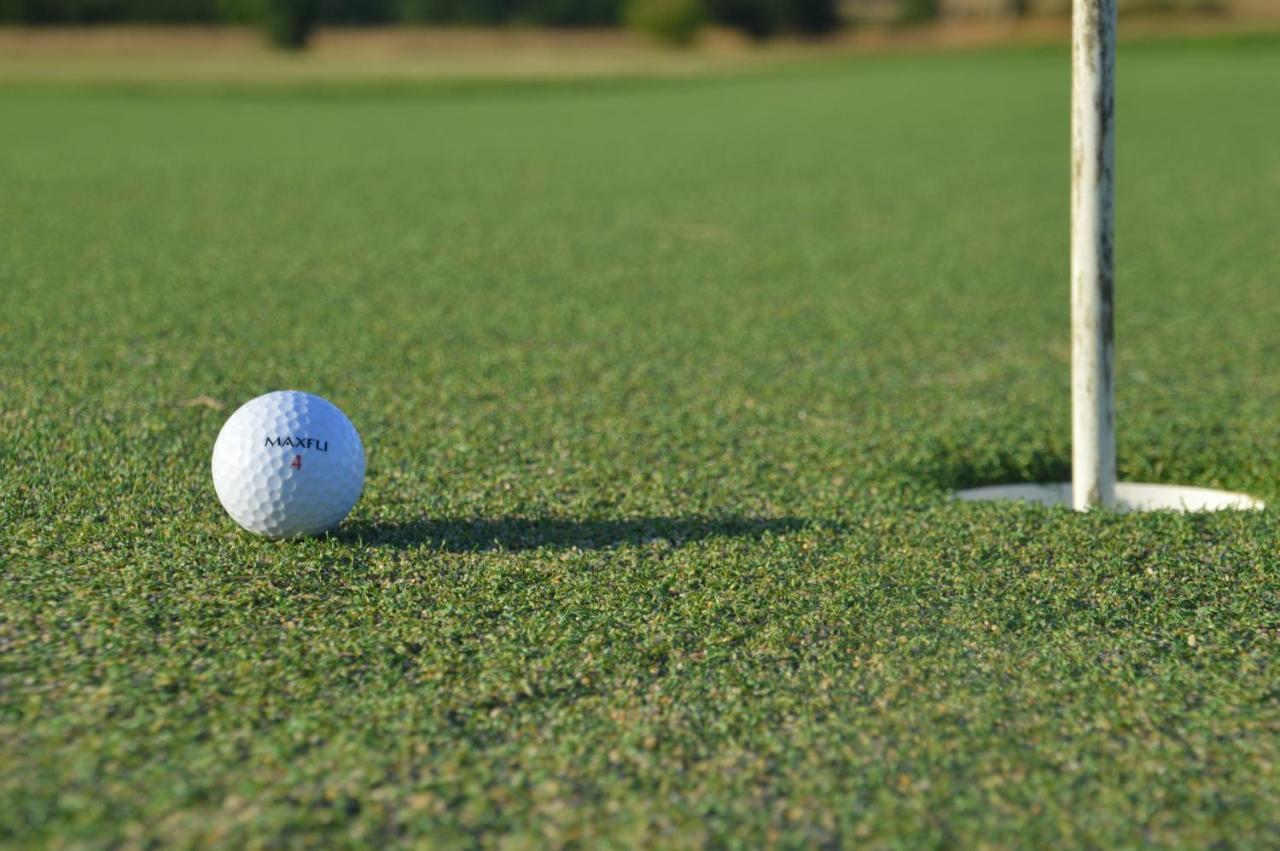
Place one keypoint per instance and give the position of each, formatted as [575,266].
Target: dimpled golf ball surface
[288,464]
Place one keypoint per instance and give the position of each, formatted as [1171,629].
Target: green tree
[918,11]
[813,17]
[757,18]
[674,22]
[290,23]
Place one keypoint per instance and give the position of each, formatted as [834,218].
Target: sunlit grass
[664,387]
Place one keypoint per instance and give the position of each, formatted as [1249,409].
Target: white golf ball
[288,463]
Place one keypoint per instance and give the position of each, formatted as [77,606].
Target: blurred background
[395,38]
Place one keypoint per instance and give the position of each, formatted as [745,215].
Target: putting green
[664,387]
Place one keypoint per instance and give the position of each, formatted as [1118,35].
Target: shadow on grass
[959,467]
[523,533]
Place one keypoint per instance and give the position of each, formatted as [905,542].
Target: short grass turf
[664,386]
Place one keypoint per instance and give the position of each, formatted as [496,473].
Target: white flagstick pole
[1093,442]
[1093,437]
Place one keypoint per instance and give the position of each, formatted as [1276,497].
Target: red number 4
[297,462]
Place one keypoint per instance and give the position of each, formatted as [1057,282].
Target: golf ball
[288,463]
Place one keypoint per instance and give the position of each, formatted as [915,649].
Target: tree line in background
[289,23]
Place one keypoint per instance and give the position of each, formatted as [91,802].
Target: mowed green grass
[664,387]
